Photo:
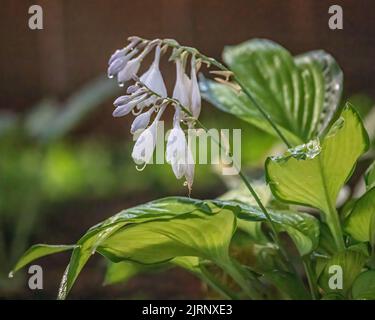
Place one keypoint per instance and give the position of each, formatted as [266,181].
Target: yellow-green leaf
[340,271]
[313,174]
[360,223]
[364,286]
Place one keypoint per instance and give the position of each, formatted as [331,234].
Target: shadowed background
[64,66]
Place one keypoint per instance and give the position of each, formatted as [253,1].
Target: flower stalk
[211,61]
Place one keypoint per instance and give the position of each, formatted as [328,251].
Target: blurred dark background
[65,162]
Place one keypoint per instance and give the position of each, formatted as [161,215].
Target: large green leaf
[156,232]
[351,264]
[38,251]
[301,94]
[159,241]
[169,228]
[313,174]
[364,286]
[360,224]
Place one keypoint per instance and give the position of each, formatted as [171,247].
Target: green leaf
[160,241]
[351,263]
[360,223]
[364,286]
[326,241]
[123,271]
[288,284]
[156,232]
[361,248]
[86,247]
[370,176]
[167,229]
[313,174]
[37,251]
[301,94]
[302,228]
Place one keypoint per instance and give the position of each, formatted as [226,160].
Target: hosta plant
[306,240]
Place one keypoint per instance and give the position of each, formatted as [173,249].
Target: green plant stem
[265,115]
[240,278]
[260,204]
[335,227]
[311,279]
[215,284]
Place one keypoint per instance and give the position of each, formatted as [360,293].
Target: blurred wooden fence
[79,35]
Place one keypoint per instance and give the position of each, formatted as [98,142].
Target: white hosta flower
[131,68]
[178,152]
[145,145]
[146,142]
[149,90]
[153,78]
[124,109]
[120,62]
[123,52]
[195,105]
[127,98]
[120,53]
[182,87]
[141,122]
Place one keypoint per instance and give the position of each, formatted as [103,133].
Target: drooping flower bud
[153,79]
[146,142]
[126,108]
[123,52]
[118,64]
[182,86]
[130,69]
[141,122]
[195,106]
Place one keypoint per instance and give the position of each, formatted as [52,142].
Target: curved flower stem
[212,61]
